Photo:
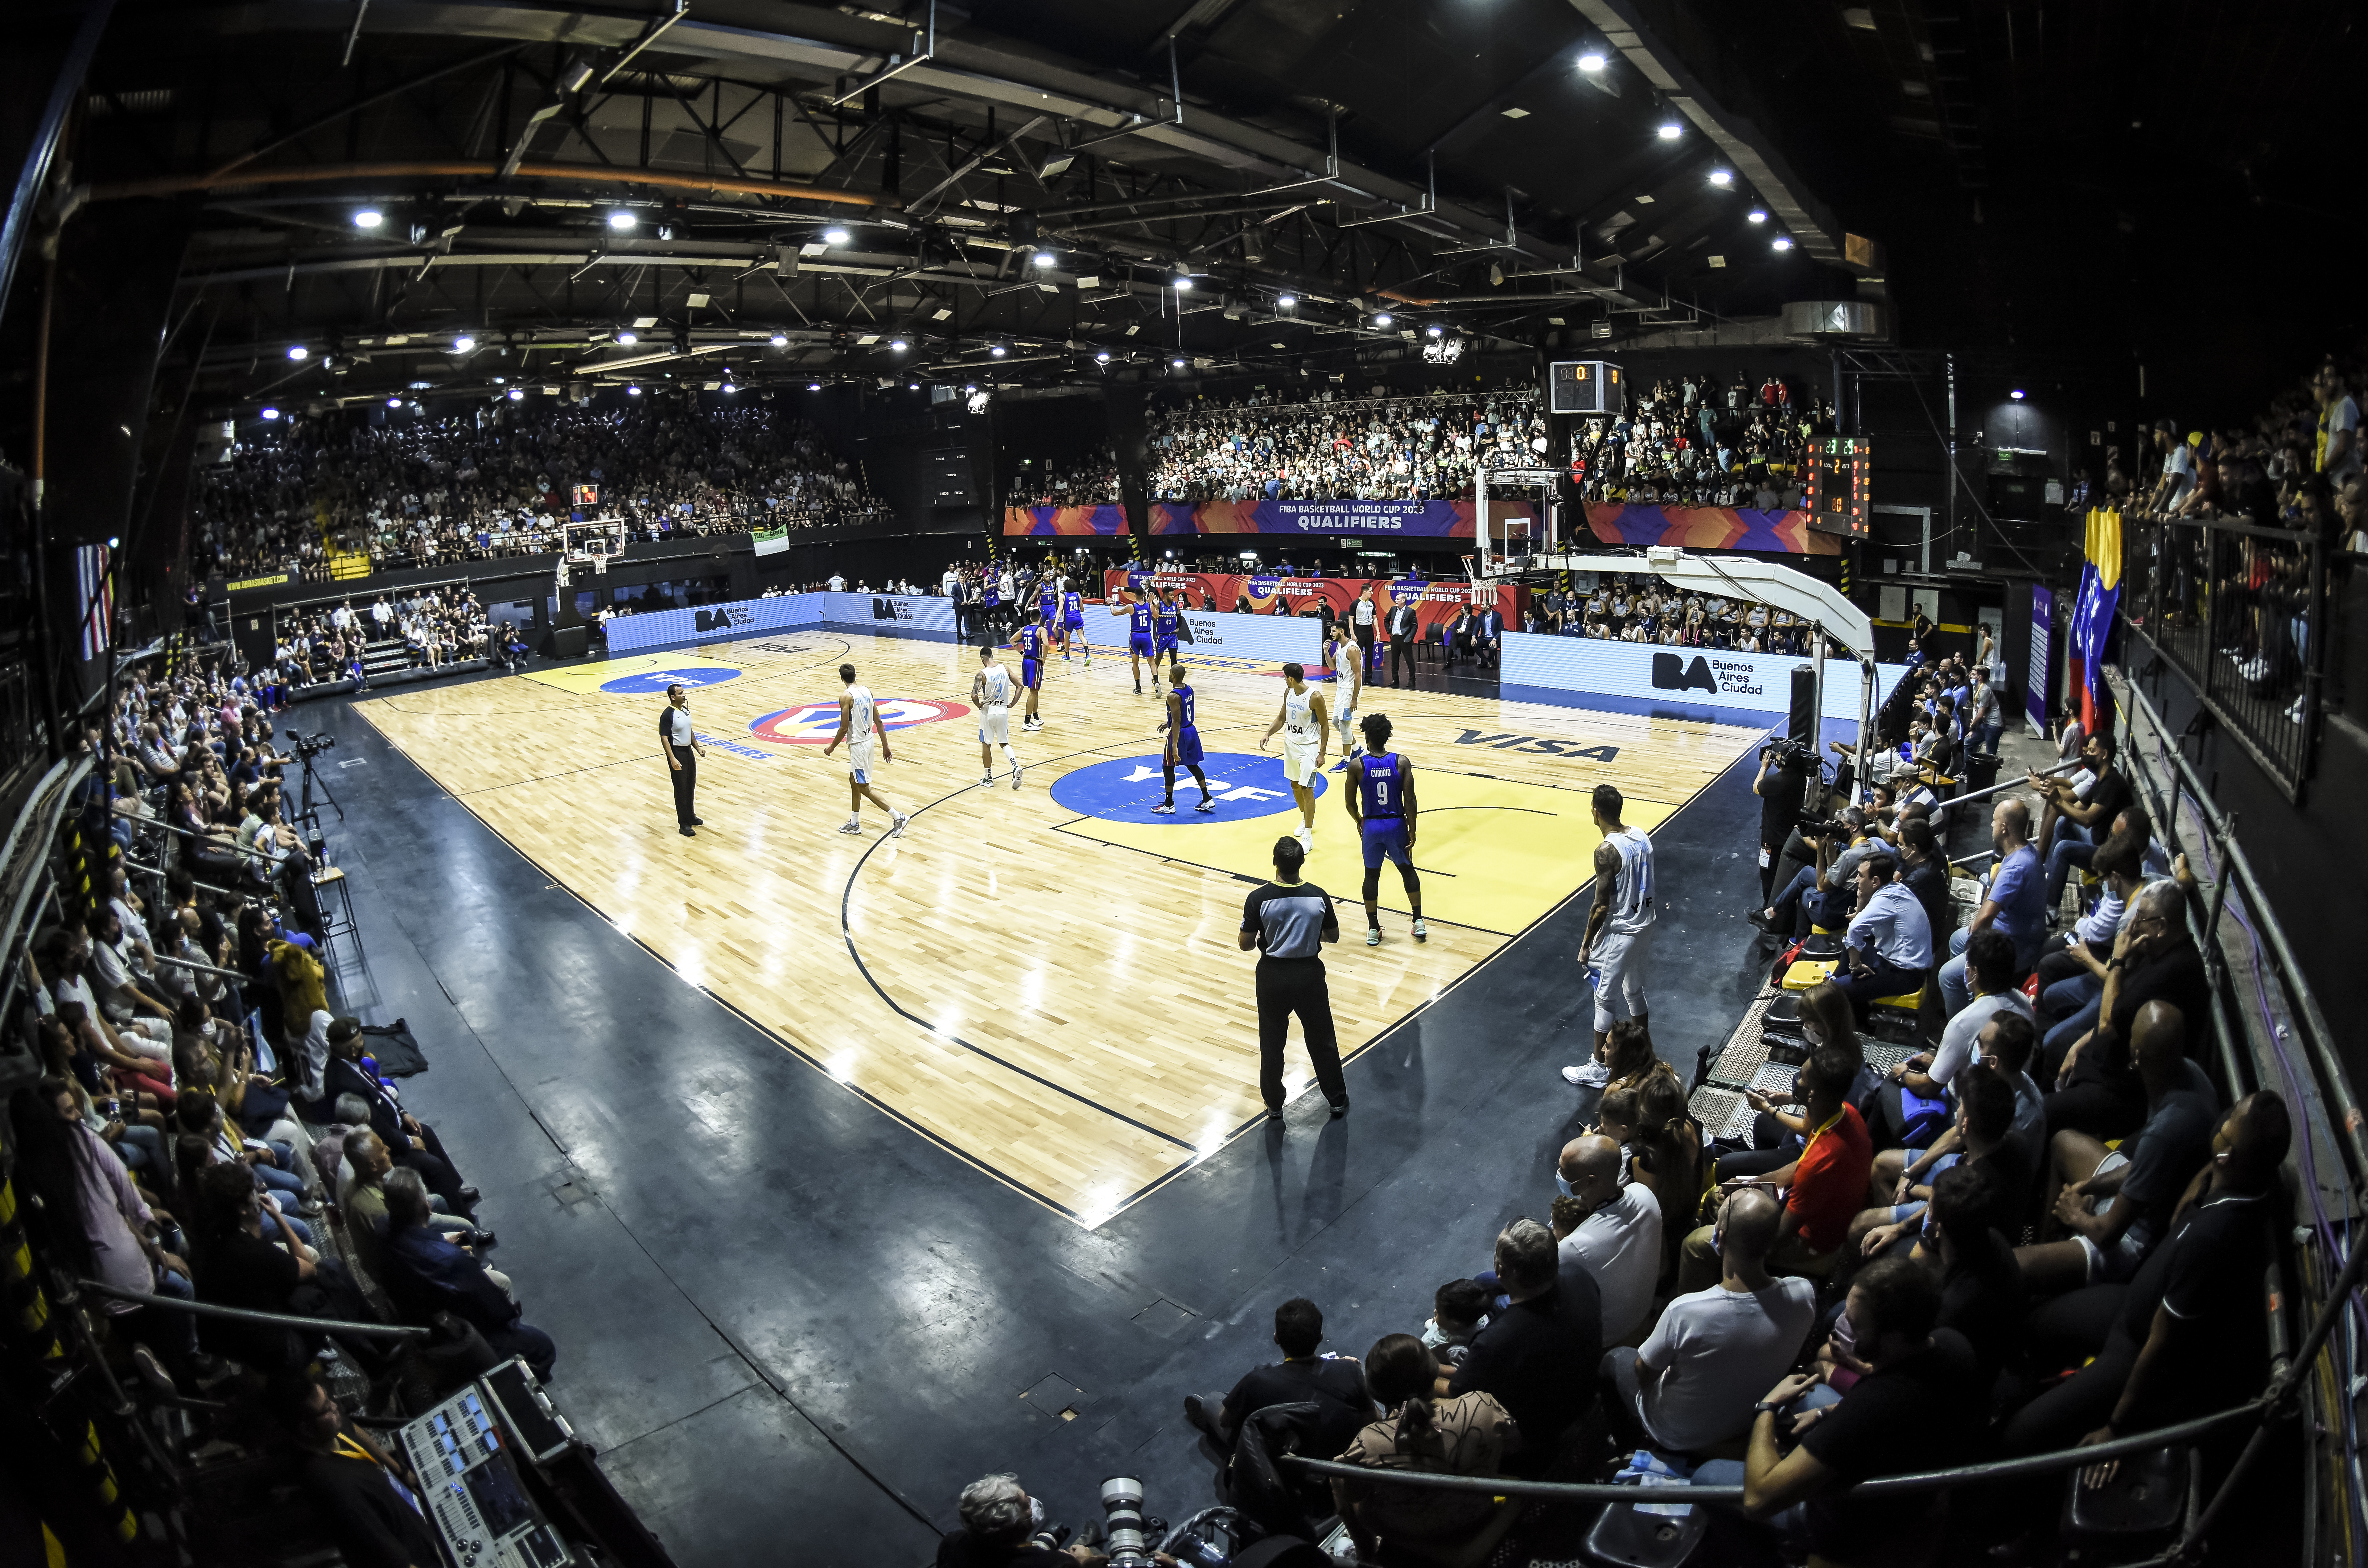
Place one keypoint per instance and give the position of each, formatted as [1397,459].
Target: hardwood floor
[1053,993]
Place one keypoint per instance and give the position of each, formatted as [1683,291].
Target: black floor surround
[783,1317]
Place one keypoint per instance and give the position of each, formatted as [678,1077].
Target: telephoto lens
[1123,1523]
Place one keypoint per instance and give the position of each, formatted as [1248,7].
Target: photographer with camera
[1839,845]
[1003,1526]
[1785,767]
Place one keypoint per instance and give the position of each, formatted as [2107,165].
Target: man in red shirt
[1822,1188]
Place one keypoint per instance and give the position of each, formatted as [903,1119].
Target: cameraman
[1839,846]
[1002,1525]
[1781,786]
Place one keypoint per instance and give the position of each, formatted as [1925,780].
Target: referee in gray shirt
[680,743]
[1289,920]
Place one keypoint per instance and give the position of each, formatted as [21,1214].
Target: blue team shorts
[1387,837]
[1167,645]
[1074,622]
[1187,745]
[1140,643]
[1029,673]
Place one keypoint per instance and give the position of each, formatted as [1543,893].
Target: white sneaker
[987,777]
[852,824]
[1166,809]
[1587,1075]
[1421,931]
[898,830]
[1373,936]
[1207,804]
[1015,771]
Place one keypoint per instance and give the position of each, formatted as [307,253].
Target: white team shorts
[862,757]
[1299,764]
[995,726]
[1617,963]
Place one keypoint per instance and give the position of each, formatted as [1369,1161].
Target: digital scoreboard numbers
[1585,387]
[1838,474]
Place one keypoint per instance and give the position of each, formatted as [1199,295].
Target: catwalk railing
[2244,612]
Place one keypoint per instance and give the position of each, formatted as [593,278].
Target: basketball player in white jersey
[1347,690]
[867,748]
[1619,929]
[1305,740]
[990,693]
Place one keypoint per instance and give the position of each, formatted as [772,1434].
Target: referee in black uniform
[680,743]
[1288,921]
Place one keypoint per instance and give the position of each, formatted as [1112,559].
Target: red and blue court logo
[1243,784]
[814,723]
[649,682]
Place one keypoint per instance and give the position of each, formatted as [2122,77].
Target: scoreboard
[1585,387]
[1838,468]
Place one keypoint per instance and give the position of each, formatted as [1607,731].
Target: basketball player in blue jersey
[1048,601]
[1183,743]
[1138,638]
[1380,803]
[1035,643]
[990,599]
[1073,625]
[1167,614]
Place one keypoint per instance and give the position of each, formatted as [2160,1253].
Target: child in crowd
[1458,1311]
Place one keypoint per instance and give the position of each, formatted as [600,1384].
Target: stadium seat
[1806,972]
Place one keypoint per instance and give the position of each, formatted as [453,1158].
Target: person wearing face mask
[1618,1242]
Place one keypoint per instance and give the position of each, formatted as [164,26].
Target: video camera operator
[1839,845]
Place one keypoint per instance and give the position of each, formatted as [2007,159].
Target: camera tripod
[307,812]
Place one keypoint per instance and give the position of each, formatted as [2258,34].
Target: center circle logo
[1245,784]
[654,681]
[814,723]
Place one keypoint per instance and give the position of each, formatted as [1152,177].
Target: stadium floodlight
[1183,283]
[1722,178]
[1178,361]
[897,345]
[1671,131]
[1591,61]
[1384,319]
[298,351]
[1285,301]
[730,388]
[394,402]
[996,349]
[780,340]
[814,386]
[622,219]
[1758,215]
[835,236]
[2015,394]
[1435,329]
[633,390]
[628,339]
[1046,258]
[463,344]
[368,218]
[515,393]
[1102,358]
[272,413]
[1782,241]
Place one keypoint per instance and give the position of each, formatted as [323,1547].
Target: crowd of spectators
[1331,448]
[1089,481]
[421,490]
[432,628]
[2246,597]
[1624,609]
[1688,442]
[2045,1230]
[208,1128]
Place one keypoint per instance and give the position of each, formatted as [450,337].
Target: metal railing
[2242,611]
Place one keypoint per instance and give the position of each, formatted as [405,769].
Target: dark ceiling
[1444,163]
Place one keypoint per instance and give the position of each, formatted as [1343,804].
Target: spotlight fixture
[1758,215]
[780,340]
[1592,61]
[996,349]
[1671,131]
[1721,178]
[1178,361]
[2015,394]
[272,413]
[1285,301]
[833,236]
[912,386]
[1102,358]
[897,345]
[1183,284]
[369,218]
[1435,331]
[1046,258]
[814,386]
[628,339]
[971,387]
[517,393]
[394,402]
[1384,319]
[463,344]
[1782,241]
[622,219]
[298,351]
[632,390]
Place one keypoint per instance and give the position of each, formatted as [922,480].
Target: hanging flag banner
[769,541]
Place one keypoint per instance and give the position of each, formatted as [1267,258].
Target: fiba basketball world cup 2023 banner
[1420,519]
[1230,593]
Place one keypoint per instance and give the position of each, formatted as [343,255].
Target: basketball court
[1045,981]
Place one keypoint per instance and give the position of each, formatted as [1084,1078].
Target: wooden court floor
[1053,993]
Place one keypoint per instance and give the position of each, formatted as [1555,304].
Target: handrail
[1882,1486]
[1986,791]
[244,1314]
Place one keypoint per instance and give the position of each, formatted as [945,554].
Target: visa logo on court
[1538,743]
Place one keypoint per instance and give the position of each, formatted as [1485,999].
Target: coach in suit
[413,1142]
[1404,634]
[1488,636]
[680,743]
